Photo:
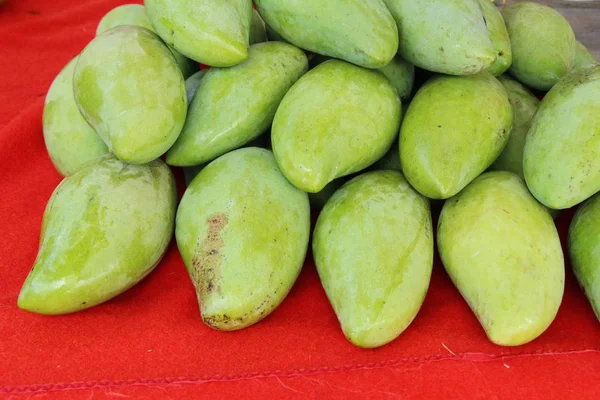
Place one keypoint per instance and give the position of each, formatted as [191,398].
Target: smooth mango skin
[502,251]
[336,120]
[584,245]
[583,57]
[258,29]
[524,105]
[135,14]
[234,105]
[191,84]
[561,159]
[129,89]
[70,140]
[402,75]
[104,229]
[454,129]
[447,36]
[362,32]
[543,44]
[212,32]
[499,37]
[373,248]
[242,230]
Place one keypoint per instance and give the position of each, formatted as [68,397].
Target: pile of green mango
[376,112]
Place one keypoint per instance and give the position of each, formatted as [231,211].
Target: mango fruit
[129,89]
[583,57]
[326,128]
[502,251]
[453,130]
[543,44]
[104,229]
[373,248]
[242,230]
[402,75]
[191,84]
[561,159]
[358,31]
[70,140]
[235,105]
[499,37]
[212,32]
[583,243]
[524,105]
[447,36]
[258,29]
[135,14]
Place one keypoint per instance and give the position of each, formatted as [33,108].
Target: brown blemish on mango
[208,258]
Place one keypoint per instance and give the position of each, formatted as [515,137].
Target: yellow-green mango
[337,119]
[212,32]
[362,32]
[448,36]
[258,29]
[129,89]
[242,230]
[234,105]
[543,44]
[584,247]
[453,130]
[499,37]
[70,140]
[502,251]
[402,75]
[561,159]
[583,57]
[373,248]
[524,105]
[135,14]
[104,229]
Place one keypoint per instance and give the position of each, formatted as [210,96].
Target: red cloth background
[151,342]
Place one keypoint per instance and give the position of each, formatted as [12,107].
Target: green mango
[104,229]
[70,140]
[583,57]
[502,251]
[402,75]
[235,105]
[212,32]
[561,159]
[448,36]
[258,29]
[326,128]
[543,44]
[242,230]
[359,31]
[135,14]
[453,130]
[499,37]
[373,248]
[584,242]
[191,84]
[318,200]
[129,89]
[524,105]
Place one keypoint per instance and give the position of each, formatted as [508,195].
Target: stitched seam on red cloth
[469,357]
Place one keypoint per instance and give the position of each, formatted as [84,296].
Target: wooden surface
[584,16]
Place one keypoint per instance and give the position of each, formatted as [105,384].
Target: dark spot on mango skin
[207,258]
[227,323]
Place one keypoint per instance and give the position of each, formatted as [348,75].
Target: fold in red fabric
[150,342]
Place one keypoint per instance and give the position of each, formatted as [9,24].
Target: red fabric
[151,342]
